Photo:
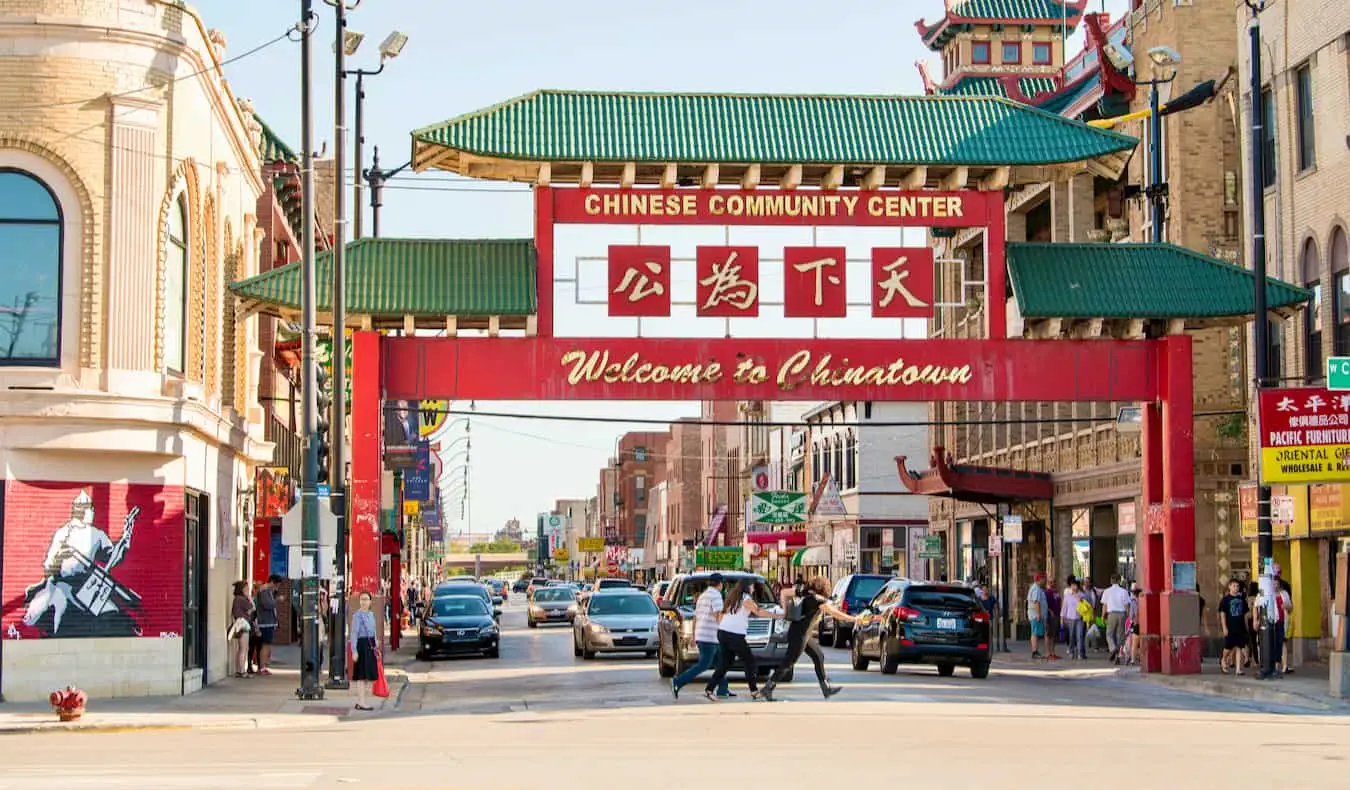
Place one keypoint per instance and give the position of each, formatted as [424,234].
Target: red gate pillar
[364,494]
[1180,609]
[1150,547]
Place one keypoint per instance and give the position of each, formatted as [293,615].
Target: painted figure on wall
[75,577]
[92,560]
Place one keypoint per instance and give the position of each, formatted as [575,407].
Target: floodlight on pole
[392,45]
[1164,57]
[351,41]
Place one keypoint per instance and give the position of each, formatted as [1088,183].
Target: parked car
[924,623]
[476,590]
[535,584]
[851,594]
[552,605]
[498,589]
[675,645]
[458,625]
[520,585]
[616,622]
[659,590]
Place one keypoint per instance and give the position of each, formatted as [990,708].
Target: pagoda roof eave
[981,484]
[939,34]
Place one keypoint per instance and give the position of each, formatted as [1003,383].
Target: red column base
[1183,655]
[1150,653]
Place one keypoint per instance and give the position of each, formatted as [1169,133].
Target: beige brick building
[1305,75]
[129,423]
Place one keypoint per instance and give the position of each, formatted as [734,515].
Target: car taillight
[843,606]
[980,616]
[906,613]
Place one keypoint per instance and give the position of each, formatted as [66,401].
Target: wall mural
[92,560]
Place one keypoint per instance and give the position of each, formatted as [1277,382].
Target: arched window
[837,473]
[1340,298]
[1312,319]
[175,288]
[850,462]
[30,260]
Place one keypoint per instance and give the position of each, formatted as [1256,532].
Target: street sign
[930,547]
[1282,509]
[995,546]
[324,490]
[828,501]
[1012,529]
[292,528]
[590,545]
[778,507]
[759,478]
[1338,374]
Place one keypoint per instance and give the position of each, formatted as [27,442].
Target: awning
[812,555]
[793,538]
[987,484]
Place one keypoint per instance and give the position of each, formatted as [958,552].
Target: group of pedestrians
[1245,612]
[1081,610]
[720,627]
[253,627]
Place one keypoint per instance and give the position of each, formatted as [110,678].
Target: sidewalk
[258,702]
[1308,687]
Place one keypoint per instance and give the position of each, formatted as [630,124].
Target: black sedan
[459,625]
[916,623]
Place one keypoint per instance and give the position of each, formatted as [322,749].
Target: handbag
[239,628]
[380,687]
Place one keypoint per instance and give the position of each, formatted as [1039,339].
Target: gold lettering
[940,207]
[592,204]
[955,207]
[736,205]
[876,205]
[715,206]
[790,373]
[690,205]
[613,204]
[850,202]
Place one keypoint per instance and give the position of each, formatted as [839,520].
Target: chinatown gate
[636,168]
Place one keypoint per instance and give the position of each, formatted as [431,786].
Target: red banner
[802,207]
[92,560]
[639,280]
[539,368]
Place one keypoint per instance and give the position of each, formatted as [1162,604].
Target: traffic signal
[323,408]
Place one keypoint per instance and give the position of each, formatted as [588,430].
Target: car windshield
[693,588]
[865,587]
[458,606]
[622,604]
[610,584]
[555,594]
[462,589]
[942,598]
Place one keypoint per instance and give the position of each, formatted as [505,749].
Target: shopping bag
[381,686]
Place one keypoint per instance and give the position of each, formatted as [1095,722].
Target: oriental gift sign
[537,368]
[1305,435]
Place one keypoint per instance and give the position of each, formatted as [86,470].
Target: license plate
[556,614]
[947,623]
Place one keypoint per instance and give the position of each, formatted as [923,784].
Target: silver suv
[675,646]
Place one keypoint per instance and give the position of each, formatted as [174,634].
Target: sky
[463,57]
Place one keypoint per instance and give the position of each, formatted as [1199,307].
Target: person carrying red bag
[367,665]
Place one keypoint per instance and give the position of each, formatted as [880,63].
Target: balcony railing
[288,453]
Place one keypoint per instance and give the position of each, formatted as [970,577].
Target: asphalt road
[538,718]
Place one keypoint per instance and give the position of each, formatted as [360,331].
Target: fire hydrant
[68,703]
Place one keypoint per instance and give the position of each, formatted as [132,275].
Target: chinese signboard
[722,558]
[1328,509]
[728,281]
[590,545]
[1305,436]
[1247,511]
[639,280]
[777,507]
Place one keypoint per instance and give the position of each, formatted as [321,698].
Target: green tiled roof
[1031,87]
[565,126]
[1048,10]
[273,148]
[419,277]
[1062,101]
[1134,281]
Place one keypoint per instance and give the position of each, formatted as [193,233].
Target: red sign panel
[803,207]
[902,282]
[1305,435]
[92,560]
[728,282]
[540,368]
[639,280]
[815,284]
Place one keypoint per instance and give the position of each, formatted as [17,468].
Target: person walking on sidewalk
[707,614]
[365,648]
[731,643]
[1274,606]
[1054,627]
[1116,604]
[1071,614]
[241,627]
[804,613]
[267,622]
[1038,608]
[1234,614]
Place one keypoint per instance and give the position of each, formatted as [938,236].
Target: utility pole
[310,687]
[1265,541]
[376,178]
[337,653]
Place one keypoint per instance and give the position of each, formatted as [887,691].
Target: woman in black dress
[365,648]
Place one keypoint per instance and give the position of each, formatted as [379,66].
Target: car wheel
[423,655]
[860,662]
[665,669]
[946,670]
[495,652]
[889,663]
[678,661]
[979,671]
[587,655]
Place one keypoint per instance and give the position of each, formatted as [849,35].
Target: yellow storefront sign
[1247,503]
[1322,463]
[1329,506]
[560,555]
[590,545]
[411,507]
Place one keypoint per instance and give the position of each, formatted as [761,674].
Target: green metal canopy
[1135,281]
[389,281]
[574,136]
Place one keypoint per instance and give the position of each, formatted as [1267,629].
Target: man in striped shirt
[707,614]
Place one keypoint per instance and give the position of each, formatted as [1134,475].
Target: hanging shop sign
[721,558]
[1305,436]
[590,545]
[1328,509]
[1248,496]
[776,507]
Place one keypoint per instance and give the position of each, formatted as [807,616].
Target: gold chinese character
[642,285]
[819,267]
[894,284]
[727,286]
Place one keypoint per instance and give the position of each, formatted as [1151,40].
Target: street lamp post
[389,49]
[1163,58]
[377,178]
[1265,542]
